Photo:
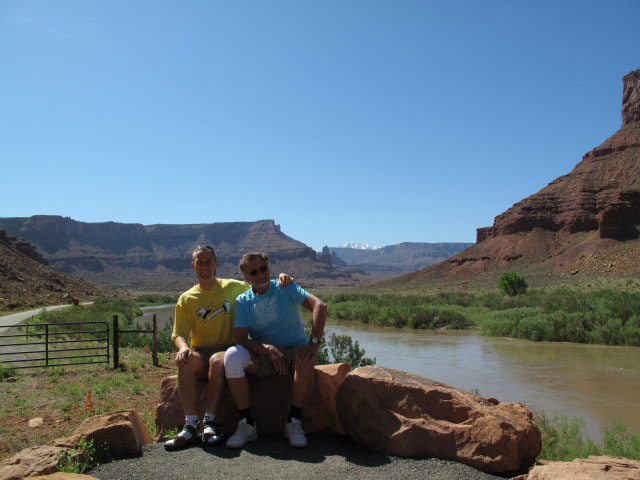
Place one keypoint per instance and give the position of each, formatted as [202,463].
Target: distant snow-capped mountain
[359,246]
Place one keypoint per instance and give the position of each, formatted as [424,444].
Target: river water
[598,383]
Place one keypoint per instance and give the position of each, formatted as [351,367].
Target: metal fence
[63,344]
[55,344]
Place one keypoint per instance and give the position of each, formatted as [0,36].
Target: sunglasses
[208,247]
[255,271]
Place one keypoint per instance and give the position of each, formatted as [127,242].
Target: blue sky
[360,121]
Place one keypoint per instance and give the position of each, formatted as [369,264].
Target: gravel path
[270,457]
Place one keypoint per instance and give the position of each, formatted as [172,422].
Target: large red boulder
[402,414]
[123,433]
[270,403]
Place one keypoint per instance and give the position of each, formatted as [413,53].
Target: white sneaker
[293,431]
[244,433]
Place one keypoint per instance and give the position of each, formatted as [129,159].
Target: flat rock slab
[592,468]
[64,476]
[402,414]
[32,461]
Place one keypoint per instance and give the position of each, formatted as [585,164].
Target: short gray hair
[249,257]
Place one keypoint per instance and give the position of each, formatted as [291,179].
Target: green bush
[563,439]
[342,349]
[150,299]
[6,371]
[512,284]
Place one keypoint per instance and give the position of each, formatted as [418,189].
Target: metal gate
[55,344]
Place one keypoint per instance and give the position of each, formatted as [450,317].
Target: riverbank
[604,316]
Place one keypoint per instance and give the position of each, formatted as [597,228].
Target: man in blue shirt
[278,345]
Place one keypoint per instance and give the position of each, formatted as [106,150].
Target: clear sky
[343,120]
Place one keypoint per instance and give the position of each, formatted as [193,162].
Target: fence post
[155,342]
[116,341]
[46,344]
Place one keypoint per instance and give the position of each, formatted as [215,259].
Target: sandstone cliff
[159,256]
[27,281]
[586,221]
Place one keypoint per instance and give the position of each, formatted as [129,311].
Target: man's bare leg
[302,382]
[187,372]
[239,388]
[216,378]
[187,385]
[215,385]
[303,377]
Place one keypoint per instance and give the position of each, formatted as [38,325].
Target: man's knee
[236,360]
[303,367]
[216,360]
[193,365]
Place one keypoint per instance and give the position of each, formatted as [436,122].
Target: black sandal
[211,438]
[178,442]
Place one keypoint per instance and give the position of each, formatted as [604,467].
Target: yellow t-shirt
[201,315]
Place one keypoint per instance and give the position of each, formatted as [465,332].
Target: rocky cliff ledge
[159,256]
[601,193]
[585,222]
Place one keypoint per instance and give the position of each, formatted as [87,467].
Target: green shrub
[512,284]
[342,349]
[6,371]
[563,439]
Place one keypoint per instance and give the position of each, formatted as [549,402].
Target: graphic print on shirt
[205,313]
[266,311]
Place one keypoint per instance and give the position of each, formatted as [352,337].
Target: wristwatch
[315,341]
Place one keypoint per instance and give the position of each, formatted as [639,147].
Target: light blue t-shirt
[273,317]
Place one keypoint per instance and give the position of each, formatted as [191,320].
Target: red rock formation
[601,193]
[593,468]
[159,256]
[123,433]
[587,221]
[402,414]
[270,403]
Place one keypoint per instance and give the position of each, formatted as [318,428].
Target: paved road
[16,318]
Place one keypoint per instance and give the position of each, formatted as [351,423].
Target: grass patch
[152,299]
[77,393]
[563,439]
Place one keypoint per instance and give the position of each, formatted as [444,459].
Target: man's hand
[278,360]
[182,357]
[284,279]
[307,353]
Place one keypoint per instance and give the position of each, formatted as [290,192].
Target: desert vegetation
[605,316]
[66,395]
[563,439]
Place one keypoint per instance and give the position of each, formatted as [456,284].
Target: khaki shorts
[266,367]
[207,352]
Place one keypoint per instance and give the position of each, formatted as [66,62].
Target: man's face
[256,272]
[205,266]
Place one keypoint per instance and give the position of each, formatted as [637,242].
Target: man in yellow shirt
[205,313]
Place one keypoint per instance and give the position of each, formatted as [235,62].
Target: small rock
[36,422]
[11,379]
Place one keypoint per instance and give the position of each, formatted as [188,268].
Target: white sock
[189,420]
